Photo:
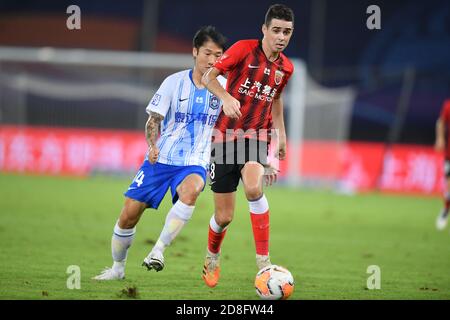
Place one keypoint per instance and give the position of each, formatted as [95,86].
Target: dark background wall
[330,35]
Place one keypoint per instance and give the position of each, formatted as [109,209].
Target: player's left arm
[278,124]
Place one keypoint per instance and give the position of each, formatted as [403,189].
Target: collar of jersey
[261,48]
[192,80]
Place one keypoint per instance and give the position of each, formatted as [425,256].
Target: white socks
[259,206]
[120,242]
[176,219]
[215,227]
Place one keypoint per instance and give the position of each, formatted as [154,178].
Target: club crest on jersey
[278,77]
[214,103]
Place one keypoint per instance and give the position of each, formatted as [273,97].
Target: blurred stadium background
[360,110]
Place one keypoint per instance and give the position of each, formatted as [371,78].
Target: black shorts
[228,159]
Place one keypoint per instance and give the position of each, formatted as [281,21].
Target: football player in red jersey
[257,73]
[443,144]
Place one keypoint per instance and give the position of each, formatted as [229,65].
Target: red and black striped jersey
[255,81]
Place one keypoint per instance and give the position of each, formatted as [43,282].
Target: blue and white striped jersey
[189,117]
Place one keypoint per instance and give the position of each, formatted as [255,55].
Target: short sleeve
[236,53]
[160,102]
[222,81]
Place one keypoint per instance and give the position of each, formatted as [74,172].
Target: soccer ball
[274,283]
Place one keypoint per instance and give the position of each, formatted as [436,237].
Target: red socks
[260,226]
[259,214]
[215,238]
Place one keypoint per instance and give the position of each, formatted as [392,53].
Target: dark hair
[207,33]
[279,11]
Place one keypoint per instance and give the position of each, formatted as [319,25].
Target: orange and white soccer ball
[274,283]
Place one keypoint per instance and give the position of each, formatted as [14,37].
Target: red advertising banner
[369,166]
[63,151]
[355,166]
[414,169]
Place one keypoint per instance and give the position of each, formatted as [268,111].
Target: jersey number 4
[139,178]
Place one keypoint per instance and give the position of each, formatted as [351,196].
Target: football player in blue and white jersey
[186,112]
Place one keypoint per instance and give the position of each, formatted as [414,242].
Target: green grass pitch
[326,240]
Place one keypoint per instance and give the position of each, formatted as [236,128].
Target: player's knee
[253,192]
[188,193]
[189,196]
[127,221]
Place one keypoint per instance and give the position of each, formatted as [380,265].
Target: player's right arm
[157,109]
[228,61]
[230,105]
[151,135]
